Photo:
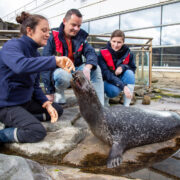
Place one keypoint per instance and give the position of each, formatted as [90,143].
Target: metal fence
[142,52]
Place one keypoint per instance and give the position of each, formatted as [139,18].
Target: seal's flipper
[115,155]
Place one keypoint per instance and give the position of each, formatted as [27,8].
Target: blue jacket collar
[123,52]
[30,42]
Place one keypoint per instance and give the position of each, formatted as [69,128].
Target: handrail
[94,39]
[9,32]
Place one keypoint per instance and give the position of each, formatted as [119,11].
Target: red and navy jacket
[57,45]
[109,60]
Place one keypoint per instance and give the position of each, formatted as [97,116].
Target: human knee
[61,78]
[113,92]
[31,134]
[129,77]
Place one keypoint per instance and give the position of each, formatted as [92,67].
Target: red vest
[59,44]
[109,60]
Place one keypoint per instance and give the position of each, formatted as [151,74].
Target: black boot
[41,117]
[8,135]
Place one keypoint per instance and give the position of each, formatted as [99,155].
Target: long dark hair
[28,20]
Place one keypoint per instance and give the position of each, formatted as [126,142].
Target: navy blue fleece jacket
[20,65]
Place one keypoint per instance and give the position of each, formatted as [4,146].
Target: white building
[159,19]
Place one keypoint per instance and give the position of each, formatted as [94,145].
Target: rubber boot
[60,97]
[41,117]
[106,101]
[8,135]
[127,101]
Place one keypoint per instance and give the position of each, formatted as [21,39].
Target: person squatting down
[70,41]
[22,102]
[118,67]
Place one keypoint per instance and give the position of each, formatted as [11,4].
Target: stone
[91,155]
[52,148]
[62,173]
[61,138]
[14,167]
[148,174]
[169,166]
[140,92]
[146,100]
[154,80]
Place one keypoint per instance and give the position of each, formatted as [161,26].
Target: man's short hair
[71,12]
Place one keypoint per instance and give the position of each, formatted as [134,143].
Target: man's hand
[87,70]
[65,63]
[50,97]
[127,92]
[118,71]
[51,110]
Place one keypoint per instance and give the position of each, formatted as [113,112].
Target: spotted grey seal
[122,127]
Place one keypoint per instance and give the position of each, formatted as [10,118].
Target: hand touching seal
[65,63]
[51,110]
[87,70]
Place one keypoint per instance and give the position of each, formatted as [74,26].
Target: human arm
[108,75]
[16,56]
[39,96]
[90,54]
[87,70]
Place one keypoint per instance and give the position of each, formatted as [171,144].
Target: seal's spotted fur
[122,127]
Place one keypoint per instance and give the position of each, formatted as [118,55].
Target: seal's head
[81,85]
[84,91]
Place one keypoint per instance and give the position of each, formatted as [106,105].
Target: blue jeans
[111,90]
[62,80]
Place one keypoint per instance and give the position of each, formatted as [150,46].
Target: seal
[122,127]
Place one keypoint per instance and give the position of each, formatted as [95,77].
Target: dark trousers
[26,118]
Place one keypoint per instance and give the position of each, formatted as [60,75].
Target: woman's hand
[65,63]
[50,97]
[127,92]
[51,110]
[118,71]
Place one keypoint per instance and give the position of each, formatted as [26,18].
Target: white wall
[55,10]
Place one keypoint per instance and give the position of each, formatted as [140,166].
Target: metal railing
[142,52]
